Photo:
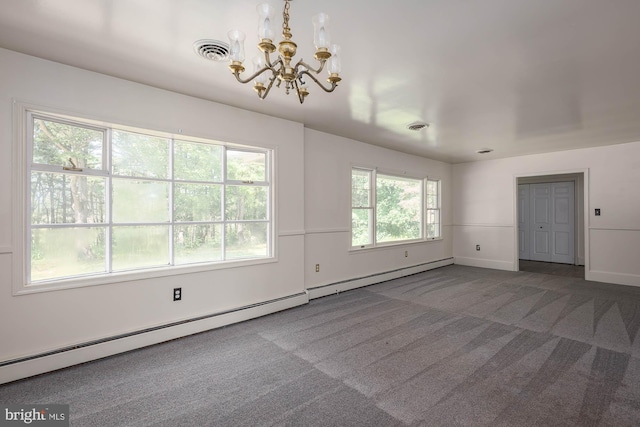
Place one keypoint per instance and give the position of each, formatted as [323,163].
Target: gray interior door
[523,222]
[540,222]
[546,222]
[562,223]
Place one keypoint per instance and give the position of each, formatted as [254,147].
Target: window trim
[374,172]
[22,153]
[371,207]
[438,209]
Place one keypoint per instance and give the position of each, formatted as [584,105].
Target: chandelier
[281,70]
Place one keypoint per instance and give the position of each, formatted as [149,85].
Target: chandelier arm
[331,89]
[253,76]
[300,96]
[310,68]
[267,60]
[266,92]
[278,62]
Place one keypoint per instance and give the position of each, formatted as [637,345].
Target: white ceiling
[517,76]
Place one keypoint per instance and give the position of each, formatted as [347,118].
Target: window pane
[432,202]
[433,223]
[432,187]
[140,155]
[432,194]
[58,198]
[246,240]
[361,227]
[54,143]
[245,202]
[197,162]
[198,243]
[140,201]
[65,252]
[140,246]
[398,209]
[246,166]
[197,202]
[360,188]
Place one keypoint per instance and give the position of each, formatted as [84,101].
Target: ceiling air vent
[213,50]
[417,126]
[484,150]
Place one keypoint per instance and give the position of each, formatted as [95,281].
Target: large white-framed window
[387,208]
[103,200]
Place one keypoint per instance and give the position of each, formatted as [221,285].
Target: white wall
[484,208]
[313,220]
[35,323]
[328,163]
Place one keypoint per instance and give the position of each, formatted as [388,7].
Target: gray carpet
[456,346]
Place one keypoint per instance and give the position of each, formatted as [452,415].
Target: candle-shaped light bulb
[258,64]
[265,21]
[320,31]
[334,62]
[236,45]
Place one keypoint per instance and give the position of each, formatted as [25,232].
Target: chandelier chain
[286,31]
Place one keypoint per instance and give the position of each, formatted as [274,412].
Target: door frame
[552,175]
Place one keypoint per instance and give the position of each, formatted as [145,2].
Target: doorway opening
[550,224]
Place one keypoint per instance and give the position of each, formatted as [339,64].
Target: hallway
[565,270]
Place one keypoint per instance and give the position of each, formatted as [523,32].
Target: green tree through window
[398,209]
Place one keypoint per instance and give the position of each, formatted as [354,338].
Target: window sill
[356,250]
[135,275]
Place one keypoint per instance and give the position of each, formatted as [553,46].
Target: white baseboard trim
[484,263]
[609,277]
[346,285]
[63,358]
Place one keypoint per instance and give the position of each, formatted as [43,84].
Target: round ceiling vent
[484,150]
[213,50]
[417,126]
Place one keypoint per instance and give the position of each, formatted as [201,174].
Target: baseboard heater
[27,366]
[154,335]
[345,285]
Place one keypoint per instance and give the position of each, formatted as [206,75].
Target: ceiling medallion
[268,72]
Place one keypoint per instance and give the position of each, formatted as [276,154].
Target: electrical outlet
[406,254]
[477,247]
[177,294]
[317,268]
